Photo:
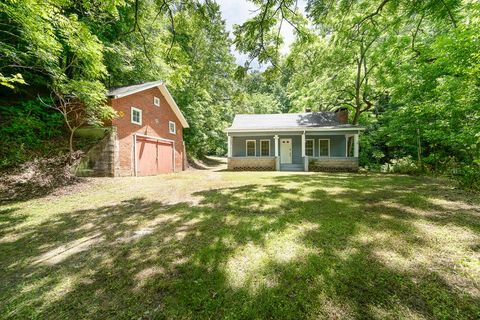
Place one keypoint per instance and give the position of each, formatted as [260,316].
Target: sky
[238,11]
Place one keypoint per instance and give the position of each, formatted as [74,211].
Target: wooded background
[408,70]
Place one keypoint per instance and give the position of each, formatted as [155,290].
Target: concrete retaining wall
[251,163]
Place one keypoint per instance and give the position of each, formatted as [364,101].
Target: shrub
[29,130]
[468,177]
[404,165]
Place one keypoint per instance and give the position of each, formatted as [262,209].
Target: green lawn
[205,244]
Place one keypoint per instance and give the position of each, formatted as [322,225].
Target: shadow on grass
[8,219]
[316,246]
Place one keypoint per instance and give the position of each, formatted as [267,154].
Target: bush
[468,177]
[29,130]
[404,165]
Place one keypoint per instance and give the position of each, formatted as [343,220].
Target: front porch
[294,151]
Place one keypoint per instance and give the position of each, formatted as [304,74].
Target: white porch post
[355,145]
[277,160]
[303,144]
[346,146]
[229,154]
[276,145]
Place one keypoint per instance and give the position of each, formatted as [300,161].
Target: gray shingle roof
[121,91]
[287,120]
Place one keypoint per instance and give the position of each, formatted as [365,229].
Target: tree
[402,67]
[206,87]
[78,106]
[60,53]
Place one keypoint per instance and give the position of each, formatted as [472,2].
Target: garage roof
[121,92]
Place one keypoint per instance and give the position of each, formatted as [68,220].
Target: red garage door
[153,156]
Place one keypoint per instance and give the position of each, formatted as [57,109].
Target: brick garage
[154,123]
[145,139]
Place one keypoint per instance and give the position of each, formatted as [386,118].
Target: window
[136,116]
[264,148]
[172,127]
[309,147]
[324,147]
[156,101]
[251,148]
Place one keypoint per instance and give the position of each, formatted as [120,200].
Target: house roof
[289,122]
[120,92]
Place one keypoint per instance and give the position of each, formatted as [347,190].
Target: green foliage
[29,130]
[92,96]
[203,83]
[468,177]
[9,81]
[259,94]
[264,103]
[53,47]
[435,102]
[403,165]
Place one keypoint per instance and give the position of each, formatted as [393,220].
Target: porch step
[291,167]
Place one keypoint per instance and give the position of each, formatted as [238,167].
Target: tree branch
[174,34]
[414,37]
[373,14]
[450,14]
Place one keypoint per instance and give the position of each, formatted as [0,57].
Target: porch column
[276,145]
[277,160]
[355,145]
[229,154]
[303,144]
[346,146]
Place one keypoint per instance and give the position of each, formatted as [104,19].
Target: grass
[206,244]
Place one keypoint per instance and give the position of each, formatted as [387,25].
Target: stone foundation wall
[102,159]
[251,163]
[329,165]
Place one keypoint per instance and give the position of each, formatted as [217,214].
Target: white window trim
[269,150]
[347,137]
[131,115]
[313,147]
[246,147]
[174,127]
[319,148]
[156,101]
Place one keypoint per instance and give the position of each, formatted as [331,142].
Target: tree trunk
[356,117]
[70,145]
[419,150]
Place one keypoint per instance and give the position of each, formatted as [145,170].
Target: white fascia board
[152,85]
[229,130]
